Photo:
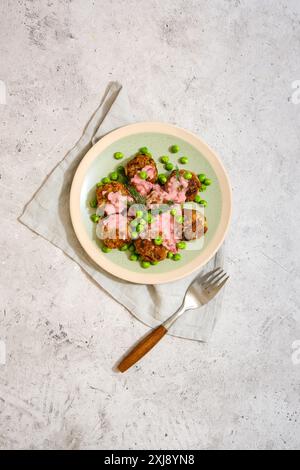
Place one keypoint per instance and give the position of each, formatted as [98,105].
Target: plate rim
[100,258]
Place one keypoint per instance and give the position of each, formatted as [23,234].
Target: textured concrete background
[225,70]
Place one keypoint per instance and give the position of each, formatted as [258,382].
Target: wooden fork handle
[144,346]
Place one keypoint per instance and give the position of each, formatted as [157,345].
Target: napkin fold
[49,217]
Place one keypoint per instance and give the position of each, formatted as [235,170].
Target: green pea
[121,170]
[170,255]
[124,247]
[134,257]
[131,248]
[95,218]
[143,222]
[144,150]
[177,257]
[207,182]
[140,228]
[150,218]
[164,159]
[114,176]
[187,175]
[99,184]
[158,241]
[203,203]
[181,245]
[143,175]
[118,155]
[146,264]
[105,249]
[174,148]
[134,235]
[105,180]
[154,263]
[169,166]
[139,214]
[134,223]
[183,160]
[197,198]
[179,219]
[203,188]
[93,203]
[173,212]
[162,179]
[202,177]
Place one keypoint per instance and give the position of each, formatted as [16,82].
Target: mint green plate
[158,137]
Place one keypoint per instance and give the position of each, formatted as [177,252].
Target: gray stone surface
[225,70]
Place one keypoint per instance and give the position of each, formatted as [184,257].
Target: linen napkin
[50,218]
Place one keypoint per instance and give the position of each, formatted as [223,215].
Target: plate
[158,137]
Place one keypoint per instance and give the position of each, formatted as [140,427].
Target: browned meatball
[114,231]
[115,242]
[193,186]
[139,162]
[194,225]
[113,187]
[149,251]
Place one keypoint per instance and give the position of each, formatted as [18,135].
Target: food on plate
[146,213]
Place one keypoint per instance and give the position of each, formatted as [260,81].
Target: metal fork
[202,289]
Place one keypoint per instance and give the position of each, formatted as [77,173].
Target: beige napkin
[50,218]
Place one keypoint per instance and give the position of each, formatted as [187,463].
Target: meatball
[149,251]
[114,231]
[113,187]
[139,162]
[194,224]
[193,184]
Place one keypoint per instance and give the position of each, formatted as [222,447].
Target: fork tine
[210,280]
[216,281]
[219,286]
[206,276]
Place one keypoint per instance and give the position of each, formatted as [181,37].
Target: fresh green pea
[183,160]
[174,148]
[105,249]
[162,179]
[99,184]
[158,241]
[203,203]
[202,188]
[134,235]
[154,263]
[173,212]
[114,176]
[124,247]
[181,245]
[197,198]
[179,219]
[202,177]
[187,175]
[144,150]
[169,166]
[140,228]
[118,155]
[177,257]
[134,257]
[134,223]
[131,248]
[164,159]
[143,222]
[170,255]
[93,203]
[146,264]
[95,218]
[143,175]
[207,182]
[139,214]
[105,180]
[150,218]
[121,170]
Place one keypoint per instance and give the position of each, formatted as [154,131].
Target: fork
[202,289]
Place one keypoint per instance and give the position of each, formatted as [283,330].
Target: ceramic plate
[158,137]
